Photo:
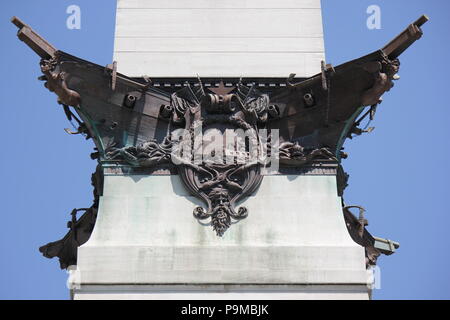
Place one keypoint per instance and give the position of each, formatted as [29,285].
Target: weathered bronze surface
[79,229]
[357,230]
[131,121]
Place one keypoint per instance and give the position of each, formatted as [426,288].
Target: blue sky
[398,172]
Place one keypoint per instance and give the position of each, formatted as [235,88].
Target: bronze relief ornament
[218,154]
[139,123]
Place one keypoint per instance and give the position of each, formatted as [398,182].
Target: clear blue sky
[398,172]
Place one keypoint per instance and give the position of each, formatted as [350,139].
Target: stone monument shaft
[179,211]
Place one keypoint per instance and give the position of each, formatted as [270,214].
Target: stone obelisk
[219,176]
[294,244]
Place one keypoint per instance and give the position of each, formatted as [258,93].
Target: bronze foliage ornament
[219,183]
[218,173]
